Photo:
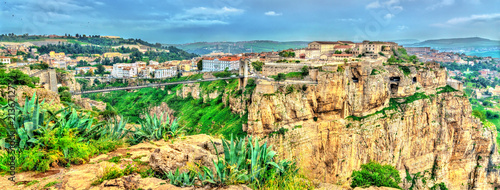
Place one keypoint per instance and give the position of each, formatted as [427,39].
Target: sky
[187,21]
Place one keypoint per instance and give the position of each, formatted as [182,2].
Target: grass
[32,183]
[50,184]
[113,172]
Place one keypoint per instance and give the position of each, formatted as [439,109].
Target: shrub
[445,89]
[439,186]
[62,89]
[289,89]
[406,70]
[375,174]
[280,77]
[305,71]
[340,69]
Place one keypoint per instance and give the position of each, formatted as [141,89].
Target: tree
[305,71]
[280,77]
[65,96]
[338,52]
[257,65]
[200,65]
[89,73]
[82,63]
[100,69]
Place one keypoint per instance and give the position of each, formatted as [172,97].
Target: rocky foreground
[160,155]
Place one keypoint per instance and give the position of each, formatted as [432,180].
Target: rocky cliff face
[391,114]
[68,79]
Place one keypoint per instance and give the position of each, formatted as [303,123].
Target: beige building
[374,48]
[111,54]
[323,46]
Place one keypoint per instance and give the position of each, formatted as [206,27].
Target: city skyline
[175,22]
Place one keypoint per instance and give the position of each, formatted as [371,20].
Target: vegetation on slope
[197,116]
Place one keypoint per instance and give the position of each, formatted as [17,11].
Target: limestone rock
[436,136]
[178,155]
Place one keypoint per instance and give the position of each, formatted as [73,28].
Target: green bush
[62,89]
[375,174]
[17,77]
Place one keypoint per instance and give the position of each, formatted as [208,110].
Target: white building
[5,60]
[124,70]
[60,64]
[165,72]
[220,64]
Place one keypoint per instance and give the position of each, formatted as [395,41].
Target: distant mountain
[202,48]
[474,42]
[405,41]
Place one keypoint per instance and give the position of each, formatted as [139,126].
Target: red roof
[229,58]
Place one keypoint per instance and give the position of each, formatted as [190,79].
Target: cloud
[272,13]
[474,18]
[350,19]
[202,16]
[441,3]
[388,16]
[402,27]
[206,11]
[373,5]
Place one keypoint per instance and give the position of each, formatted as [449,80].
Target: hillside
[239,47]
[473,42]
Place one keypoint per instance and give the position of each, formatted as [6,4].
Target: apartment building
[5,60]
[165,72]
[220,64]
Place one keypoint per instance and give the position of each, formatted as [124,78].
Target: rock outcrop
[392,114]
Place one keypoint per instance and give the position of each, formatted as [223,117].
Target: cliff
[402,115]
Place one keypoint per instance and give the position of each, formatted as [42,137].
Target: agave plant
[25,122]
[115,129]
[245,160]
[181,179]
[152,128]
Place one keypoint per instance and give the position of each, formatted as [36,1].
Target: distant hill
[202,48]
[405,41]
[474,42]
